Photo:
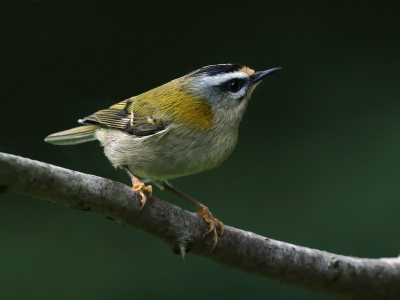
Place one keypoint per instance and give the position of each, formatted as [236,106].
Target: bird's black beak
[257,76]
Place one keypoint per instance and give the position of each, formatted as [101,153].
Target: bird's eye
[235,85]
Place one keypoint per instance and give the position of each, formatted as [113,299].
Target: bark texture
[357,278]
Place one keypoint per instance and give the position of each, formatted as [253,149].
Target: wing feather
[73,136]
[121,116]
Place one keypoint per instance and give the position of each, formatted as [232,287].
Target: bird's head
[224,86]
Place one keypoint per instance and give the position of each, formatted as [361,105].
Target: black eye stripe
[233,85]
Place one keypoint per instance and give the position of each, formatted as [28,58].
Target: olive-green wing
[121,116]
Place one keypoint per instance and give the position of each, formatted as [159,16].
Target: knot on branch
[334,266]
[183,246]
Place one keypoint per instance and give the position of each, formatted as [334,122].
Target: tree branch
[318,270]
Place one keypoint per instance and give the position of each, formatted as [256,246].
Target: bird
[183,127]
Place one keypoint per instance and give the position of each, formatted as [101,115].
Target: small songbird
[183,127]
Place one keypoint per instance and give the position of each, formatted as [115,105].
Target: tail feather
[73,136]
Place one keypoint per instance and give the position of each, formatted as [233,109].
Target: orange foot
[213,223]
[139,187]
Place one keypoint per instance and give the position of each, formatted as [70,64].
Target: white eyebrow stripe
[218,79]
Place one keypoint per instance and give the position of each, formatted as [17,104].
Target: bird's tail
[73,136]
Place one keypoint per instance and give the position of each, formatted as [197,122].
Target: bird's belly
[168,154]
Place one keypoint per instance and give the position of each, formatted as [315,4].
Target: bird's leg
[203,212]
[139,186]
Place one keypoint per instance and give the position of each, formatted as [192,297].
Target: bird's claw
[212,222]
[139,187]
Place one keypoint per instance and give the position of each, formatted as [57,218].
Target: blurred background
[318,159]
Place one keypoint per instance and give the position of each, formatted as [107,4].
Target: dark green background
[318,159]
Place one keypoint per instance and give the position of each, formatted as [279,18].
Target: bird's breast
[176,152]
